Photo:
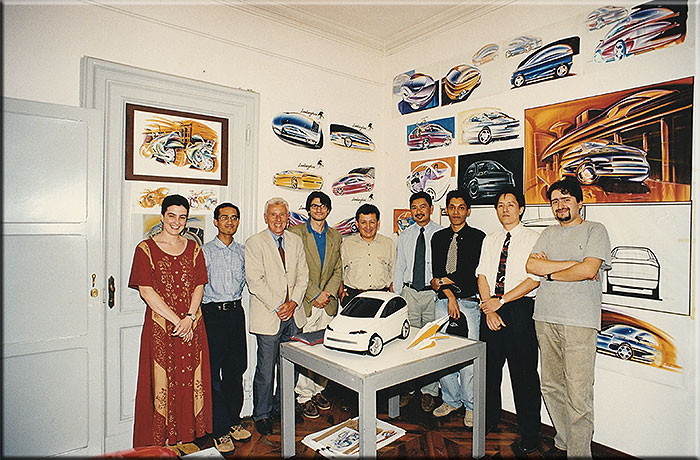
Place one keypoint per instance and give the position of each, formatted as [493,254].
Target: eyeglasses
[318,207]
[225,218]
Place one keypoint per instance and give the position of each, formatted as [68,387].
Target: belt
[221,306]
[425,288]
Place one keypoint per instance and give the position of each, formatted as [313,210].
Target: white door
[53,390]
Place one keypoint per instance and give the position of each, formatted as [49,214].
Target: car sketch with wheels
[367,322]
[427,135]
[486,53]
[431,177]
[552,61]
[349,137]
[522,44]
[298,180]
[485,178]
[643,30]
[353,183]
[460,81]
[634,269]
[347,226]
[403,221]
[298,129]
[600,159]
[418,91]
[636,109]
[296,218]
[599,18]
[630,343]
[482,126]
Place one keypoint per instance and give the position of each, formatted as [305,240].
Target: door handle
[110,289]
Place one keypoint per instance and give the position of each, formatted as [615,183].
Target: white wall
[641,413]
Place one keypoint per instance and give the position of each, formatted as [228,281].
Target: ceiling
[379,26]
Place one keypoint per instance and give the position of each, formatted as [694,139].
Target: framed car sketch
[173,146]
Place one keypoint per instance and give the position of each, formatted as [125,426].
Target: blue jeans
[458,387]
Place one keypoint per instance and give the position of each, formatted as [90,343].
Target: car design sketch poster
[414,91]
[651,263]
[648,26]
[351,137]
[628,146]
[357,180]
[483,175]
[434,177]
[297,179]
[402,220]
[553,60]
[299,128]
[485,125]
[459,83]
[428,134]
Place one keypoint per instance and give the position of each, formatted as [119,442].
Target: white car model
[367,322]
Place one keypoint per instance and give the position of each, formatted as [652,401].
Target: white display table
[367,375]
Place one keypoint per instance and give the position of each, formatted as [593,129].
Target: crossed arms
[563,270]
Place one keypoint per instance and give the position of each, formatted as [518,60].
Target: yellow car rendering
[298,180]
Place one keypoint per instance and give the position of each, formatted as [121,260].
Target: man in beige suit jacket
[277,276]
[322,247]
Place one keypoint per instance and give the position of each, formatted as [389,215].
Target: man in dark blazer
[322,248]
[277,275]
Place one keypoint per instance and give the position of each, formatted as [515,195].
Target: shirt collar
[513,231]
[275,237]
[308,227]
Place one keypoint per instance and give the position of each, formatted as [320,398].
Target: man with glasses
[570,257]
[224,320]
[322,249]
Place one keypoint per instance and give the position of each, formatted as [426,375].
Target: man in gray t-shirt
[570,256]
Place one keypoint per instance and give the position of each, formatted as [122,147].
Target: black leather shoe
[263,426]
[528,444]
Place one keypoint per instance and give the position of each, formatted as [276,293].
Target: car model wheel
[347,142]
[562,70]
[405,329]
[624,352]
[375,345]
[518,81]
[295,182]
[426,144]
[473,189]
[620,50]
[485,136]
[586,174]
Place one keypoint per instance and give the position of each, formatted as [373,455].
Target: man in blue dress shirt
[224,320]
[412,274]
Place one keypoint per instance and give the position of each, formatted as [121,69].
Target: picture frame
[168,145]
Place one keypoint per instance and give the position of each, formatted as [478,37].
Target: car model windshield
[362,307]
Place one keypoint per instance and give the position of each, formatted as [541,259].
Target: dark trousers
[516,343]
[266,400]
[228,356]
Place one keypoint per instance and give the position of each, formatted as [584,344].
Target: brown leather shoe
[427,403]
[310,410]
[224,444]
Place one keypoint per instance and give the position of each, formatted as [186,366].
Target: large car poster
[483,175]
[627,146]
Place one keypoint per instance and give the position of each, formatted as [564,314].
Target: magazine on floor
[343,439]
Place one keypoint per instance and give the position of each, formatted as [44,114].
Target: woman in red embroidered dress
[173,394]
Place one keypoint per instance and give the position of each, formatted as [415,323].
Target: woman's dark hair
[174,200]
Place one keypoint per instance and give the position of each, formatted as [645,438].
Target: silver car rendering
[522,44]
[298,129]
[634,269]
[592,160]
[485,178]
[482,126]
[418,91]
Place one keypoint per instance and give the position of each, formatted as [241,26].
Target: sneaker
[528,444]
[468,418]
[310,410]
[187,447]
[427,403]
[404,399]
[321,402]
[239,434]
[224,444]
[444,409]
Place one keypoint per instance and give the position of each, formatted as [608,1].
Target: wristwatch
[192,316]
[501,301]
[440,281]
[549,277]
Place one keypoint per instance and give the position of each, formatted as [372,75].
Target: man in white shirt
[412,274]
[507,326]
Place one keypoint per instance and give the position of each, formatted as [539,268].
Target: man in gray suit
[322,248]
[277,276]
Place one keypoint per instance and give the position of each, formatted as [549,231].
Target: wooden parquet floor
[426,436]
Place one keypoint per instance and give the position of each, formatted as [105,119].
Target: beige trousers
[310,383]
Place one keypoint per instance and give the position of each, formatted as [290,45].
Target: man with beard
[570,257]
[322,248]
[412,274]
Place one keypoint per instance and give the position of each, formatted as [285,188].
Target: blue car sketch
[630,343]
[552,61]
[298,129]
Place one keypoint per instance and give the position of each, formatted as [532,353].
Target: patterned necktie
[419,262]
[451,265]
[501,275]
[284,263]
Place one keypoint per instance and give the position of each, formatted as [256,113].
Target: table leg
[394,406]
[287,399]
[478,442]
[368,422]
